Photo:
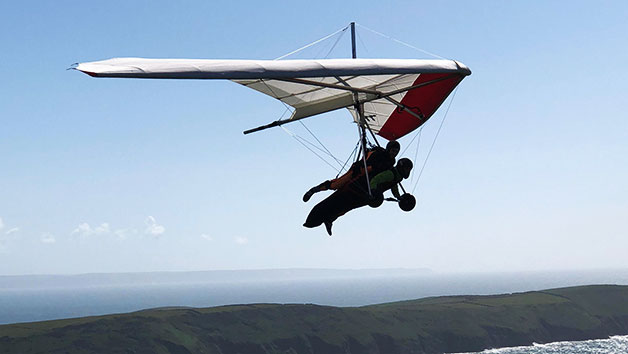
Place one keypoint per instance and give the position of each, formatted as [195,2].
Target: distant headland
[429,325]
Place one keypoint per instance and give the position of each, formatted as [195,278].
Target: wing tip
[463,69]
[77,67]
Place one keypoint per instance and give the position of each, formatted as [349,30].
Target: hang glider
[395,96]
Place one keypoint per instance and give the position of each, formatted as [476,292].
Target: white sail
[398,95]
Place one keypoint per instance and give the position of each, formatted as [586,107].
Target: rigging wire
[417,134]
[284,113]
[416,152]
[304,140]
[275,95]
[301,141]
[320,51]
[350,158]
[401,42]
[434,142]
[323,145]
[298,138]
[361,42]
[324,47]
[308,129]
[373,135]
[313,43]
[326,151]
[412,140]
[344,30]
[336,42]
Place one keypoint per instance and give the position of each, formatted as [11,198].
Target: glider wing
[398,95]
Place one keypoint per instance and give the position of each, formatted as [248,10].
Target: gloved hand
[376,198]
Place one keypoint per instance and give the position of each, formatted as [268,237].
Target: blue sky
[111,175]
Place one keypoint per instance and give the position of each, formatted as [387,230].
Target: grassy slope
[441,324]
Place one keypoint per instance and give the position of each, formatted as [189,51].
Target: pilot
[353,195]
[377,160]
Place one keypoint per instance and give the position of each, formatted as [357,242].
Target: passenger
[353,195]
[377,160]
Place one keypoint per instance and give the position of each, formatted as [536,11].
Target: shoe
[308,195]
[328,227]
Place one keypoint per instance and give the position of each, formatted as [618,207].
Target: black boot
[309,193]
[321,187]
[328,227]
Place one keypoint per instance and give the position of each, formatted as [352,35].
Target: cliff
[430,325]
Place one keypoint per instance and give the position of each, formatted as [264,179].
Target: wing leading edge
[398,95]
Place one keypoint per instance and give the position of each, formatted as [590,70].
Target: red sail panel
[423,101]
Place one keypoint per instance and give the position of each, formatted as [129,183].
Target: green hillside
[439,324]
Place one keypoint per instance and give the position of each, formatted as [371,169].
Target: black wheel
[407,202]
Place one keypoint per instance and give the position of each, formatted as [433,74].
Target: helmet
[407,202]
[393,148]
[393,144]
[404,166]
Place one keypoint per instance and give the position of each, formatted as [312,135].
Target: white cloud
[82,229]
[152,228]
[102,229]
[207,237]
[48,238]
[124,233]
[1,224]
[7,237]
[241,240]
[85,230]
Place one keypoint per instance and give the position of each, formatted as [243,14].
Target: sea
[32,298]
[614,345]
